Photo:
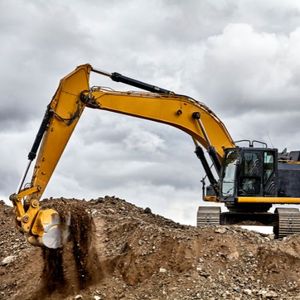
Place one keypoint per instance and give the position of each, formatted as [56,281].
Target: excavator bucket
[50,229]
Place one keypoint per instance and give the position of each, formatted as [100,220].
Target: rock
[247,292]
[78,297]
[204,274]
[221,230]
[162,270]
[97,298]
[233,255]
[7,260]
[147,210]
[271,295]
[94,212]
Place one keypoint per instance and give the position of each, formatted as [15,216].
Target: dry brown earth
[134,254]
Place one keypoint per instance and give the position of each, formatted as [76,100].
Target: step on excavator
[248,179]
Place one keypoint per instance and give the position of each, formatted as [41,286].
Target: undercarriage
[285,221]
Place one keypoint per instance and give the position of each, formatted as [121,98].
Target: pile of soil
[120,251]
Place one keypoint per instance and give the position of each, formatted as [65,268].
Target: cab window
[228,184]
[250,174]
[268,165]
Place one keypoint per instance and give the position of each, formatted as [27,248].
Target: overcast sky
[241,58]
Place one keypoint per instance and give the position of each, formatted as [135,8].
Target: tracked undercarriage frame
[285,221]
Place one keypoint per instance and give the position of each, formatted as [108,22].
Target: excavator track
[208,215]
[288,222]
[285,221]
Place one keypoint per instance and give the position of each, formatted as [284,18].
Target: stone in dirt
[7,260]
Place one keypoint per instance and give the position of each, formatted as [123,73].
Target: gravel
[141,255]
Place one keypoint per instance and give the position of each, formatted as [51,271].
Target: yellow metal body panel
[17,200]
[30,217]
[67,109]
[273,200]
[44,216]
[174,110]
[210,198]
[27,192]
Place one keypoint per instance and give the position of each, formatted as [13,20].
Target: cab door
[250,175]
[257,173]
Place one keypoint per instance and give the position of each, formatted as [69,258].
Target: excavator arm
[64,111]
[182,112]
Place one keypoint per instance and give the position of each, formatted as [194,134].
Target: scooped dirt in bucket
[71,267]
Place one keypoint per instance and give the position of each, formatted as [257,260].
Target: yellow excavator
[248,179]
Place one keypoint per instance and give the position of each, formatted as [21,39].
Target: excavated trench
[71,268]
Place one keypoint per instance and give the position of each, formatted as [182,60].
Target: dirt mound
[134,254]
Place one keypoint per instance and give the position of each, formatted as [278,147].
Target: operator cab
[249,172]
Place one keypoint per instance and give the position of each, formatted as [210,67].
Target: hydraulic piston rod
[133,82]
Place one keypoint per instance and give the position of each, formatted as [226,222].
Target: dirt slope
[134,254]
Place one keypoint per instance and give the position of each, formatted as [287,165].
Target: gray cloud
[239,57]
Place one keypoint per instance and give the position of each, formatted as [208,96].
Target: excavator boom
[62,115]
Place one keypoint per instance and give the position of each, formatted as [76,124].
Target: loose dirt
[73,267]
[120,251]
